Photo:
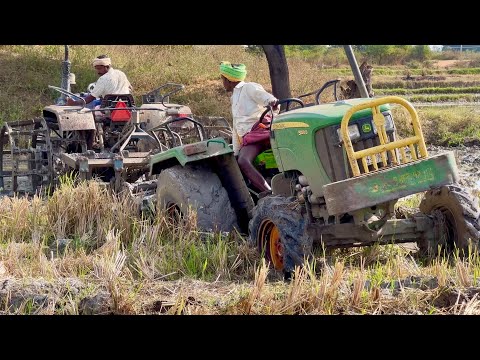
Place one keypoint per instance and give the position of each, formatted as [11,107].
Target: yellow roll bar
[385,145]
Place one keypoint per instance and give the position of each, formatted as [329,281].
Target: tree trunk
[277,64]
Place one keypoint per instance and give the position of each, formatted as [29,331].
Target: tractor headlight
[389,125]
[353,132]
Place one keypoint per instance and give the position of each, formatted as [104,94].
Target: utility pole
[356,71]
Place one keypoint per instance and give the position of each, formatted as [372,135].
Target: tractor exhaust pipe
[356,71]
[65,85]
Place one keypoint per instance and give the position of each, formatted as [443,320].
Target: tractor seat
[117,103]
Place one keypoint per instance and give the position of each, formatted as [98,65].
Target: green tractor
[340,172]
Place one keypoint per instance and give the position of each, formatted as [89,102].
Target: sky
[436,47]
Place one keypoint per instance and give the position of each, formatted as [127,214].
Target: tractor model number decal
[404,181]
[302,132]
[290,124]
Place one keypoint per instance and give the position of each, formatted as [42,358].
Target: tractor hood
[324,114]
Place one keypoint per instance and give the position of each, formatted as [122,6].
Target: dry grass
[442,126]
[58,259]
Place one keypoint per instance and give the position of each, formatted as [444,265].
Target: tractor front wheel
[277,229]
[456,217]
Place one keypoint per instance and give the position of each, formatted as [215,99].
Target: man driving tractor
[249,100]
[110,81]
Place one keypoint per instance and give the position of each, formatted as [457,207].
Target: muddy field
[468,162]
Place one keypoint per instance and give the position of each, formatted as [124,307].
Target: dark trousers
[246,156]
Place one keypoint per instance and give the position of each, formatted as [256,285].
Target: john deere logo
[366,128]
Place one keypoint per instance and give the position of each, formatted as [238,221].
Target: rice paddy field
[84,251]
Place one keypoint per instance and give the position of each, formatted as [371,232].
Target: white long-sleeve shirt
[248,103]
[112,82]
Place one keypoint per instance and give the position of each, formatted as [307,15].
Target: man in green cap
[249,100]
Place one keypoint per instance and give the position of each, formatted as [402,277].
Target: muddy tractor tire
[456,216]
[198,187]
[277,229]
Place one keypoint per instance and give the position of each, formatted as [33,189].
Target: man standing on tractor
[111,81]
[249,100]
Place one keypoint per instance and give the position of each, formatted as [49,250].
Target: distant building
[475,48]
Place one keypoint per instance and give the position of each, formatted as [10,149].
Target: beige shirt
[112,82]
[249,100]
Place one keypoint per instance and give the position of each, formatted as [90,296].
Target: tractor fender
[199,151]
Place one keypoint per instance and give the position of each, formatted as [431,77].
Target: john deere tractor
[340,171]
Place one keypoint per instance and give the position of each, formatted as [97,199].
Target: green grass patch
[442,98]
[429,90]
[402,71]
[417,84]
[445,126]
[464,71]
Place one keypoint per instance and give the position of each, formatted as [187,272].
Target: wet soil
[468,163]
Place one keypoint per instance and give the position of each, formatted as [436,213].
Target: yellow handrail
[385,145]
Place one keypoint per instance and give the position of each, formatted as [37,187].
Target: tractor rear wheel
[198,187]
[277,229]
[456,216]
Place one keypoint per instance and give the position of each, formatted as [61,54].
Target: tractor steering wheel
[287,101]
[68,93]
